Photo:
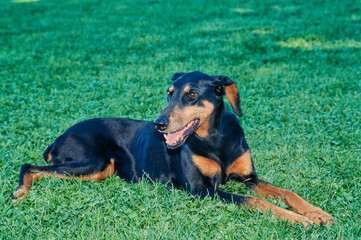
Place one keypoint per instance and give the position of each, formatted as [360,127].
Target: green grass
[297,66]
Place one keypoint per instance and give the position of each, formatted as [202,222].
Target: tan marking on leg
[98,176]
[23,190]
[31,177]
[207,166]
[20,194]
[180,117]
[263,206]
[107,172]
[242,165]
[295,202]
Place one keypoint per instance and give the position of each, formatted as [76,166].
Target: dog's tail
[47,153]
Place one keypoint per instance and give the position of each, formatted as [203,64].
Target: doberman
[195,144]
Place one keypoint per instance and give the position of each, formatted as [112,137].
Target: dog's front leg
[256,203]
[242,170]
[295,202]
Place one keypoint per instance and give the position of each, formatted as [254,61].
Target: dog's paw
[18,195]
[297,218]
[319,217]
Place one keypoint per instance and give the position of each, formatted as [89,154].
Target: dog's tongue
[173,138]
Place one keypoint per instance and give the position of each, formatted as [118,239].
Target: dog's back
[197,144]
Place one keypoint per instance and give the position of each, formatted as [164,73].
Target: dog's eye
[192,94]
[169,93]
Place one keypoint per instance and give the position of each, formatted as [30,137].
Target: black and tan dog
[195,144]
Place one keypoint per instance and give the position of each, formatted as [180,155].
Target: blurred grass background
[297,67]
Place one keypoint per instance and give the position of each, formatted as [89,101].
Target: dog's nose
[161,123]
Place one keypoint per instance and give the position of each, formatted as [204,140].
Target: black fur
[138,148]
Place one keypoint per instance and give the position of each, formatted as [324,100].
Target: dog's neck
[213,123]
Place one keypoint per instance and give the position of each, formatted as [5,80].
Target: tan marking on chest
[242,165]
[207,166]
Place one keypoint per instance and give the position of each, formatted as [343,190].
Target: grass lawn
[297,66]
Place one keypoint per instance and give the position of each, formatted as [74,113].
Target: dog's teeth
[177,138]
[165,136]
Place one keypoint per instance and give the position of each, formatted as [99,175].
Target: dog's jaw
[177,138]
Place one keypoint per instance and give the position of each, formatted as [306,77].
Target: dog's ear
[224,85]
[177,75]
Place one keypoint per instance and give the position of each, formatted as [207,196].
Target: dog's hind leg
[294,201]
[86,171]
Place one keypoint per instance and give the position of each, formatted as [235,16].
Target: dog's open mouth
[175,139]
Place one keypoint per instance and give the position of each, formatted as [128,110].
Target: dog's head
[192,100]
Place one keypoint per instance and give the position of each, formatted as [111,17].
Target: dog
[195,144]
